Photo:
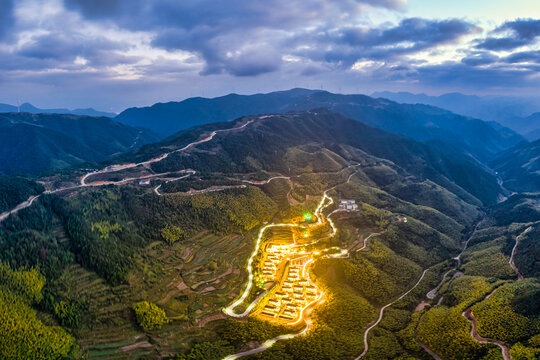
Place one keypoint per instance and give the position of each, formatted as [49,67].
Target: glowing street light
[305,234]
[307,217]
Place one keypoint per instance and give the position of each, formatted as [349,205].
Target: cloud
[475,78]
[263,43]
[480,59]
[420,33]
[6,16]
[524,28]
[233,36]
[517,33]
[524,56]
[345,46]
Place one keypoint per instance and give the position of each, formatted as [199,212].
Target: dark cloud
[350,44]
[480,59]
[223,32]
[6,16]
[96,8]
[524,56]
[142,14]
[522,32]
[66,47]
[524,28]
[420,33]
[499,44]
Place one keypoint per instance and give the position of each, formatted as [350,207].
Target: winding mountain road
[468,314]
[381,313]
[114,168]
[511,261]
[19,207]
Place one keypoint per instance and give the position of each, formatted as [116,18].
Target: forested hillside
[144,269]
[519,167]
[15,190]
[419,122]
[37,143]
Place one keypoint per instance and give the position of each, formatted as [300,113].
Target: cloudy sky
[112,54]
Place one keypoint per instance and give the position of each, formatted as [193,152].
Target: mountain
[178,246]
[519,167]
[168,118]
[35,143]
[512,112]
[264,144]
[495,108]
[528,126]
[419,122]
[29,108]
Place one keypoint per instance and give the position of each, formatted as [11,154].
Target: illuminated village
[284,271]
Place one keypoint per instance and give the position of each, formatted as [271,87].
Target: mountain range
[518,113]
[36,143]
[420,122]
[172,226]
[29,108]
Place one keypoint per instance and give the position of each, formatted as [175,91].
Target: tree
[149,315]
[172,234]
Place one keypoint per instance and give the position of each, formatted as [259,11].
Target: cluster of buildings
[348,205]
[275,253]
[294,293]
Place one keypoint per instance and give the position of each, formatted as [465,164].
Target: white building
[348,205]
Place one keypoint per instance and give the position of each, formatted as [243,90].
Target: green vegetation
[15,190]
[172,234]
[445,331]
[149,316]
[23,333]
[176,260]
[511,314]
[215,350]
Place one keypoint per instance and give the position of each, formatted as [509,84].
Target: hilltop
[419,122]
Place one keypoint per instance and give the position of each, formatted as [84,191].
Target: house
[144,182]
[348,205]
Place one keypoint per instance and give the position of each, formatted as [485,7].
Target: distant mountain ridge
[420,122]
[36,143]
[29,108]
[512,112]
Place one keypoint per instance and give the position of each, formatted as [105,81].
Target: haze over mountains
[36,143]
[518,113]
[29,108]
[420,122]
[440,129]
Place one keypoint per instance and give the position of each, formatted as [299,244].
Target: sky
[114,54]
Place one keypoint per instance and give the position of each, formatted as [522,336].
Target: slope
[34,143]
[262,145]
[416,121]
[519,167]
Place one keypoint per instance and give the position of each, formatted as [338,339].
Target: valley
[250,254]
[269,180]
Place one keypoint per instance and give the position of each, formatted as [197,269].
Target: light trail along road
[304,314]
[324,203]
